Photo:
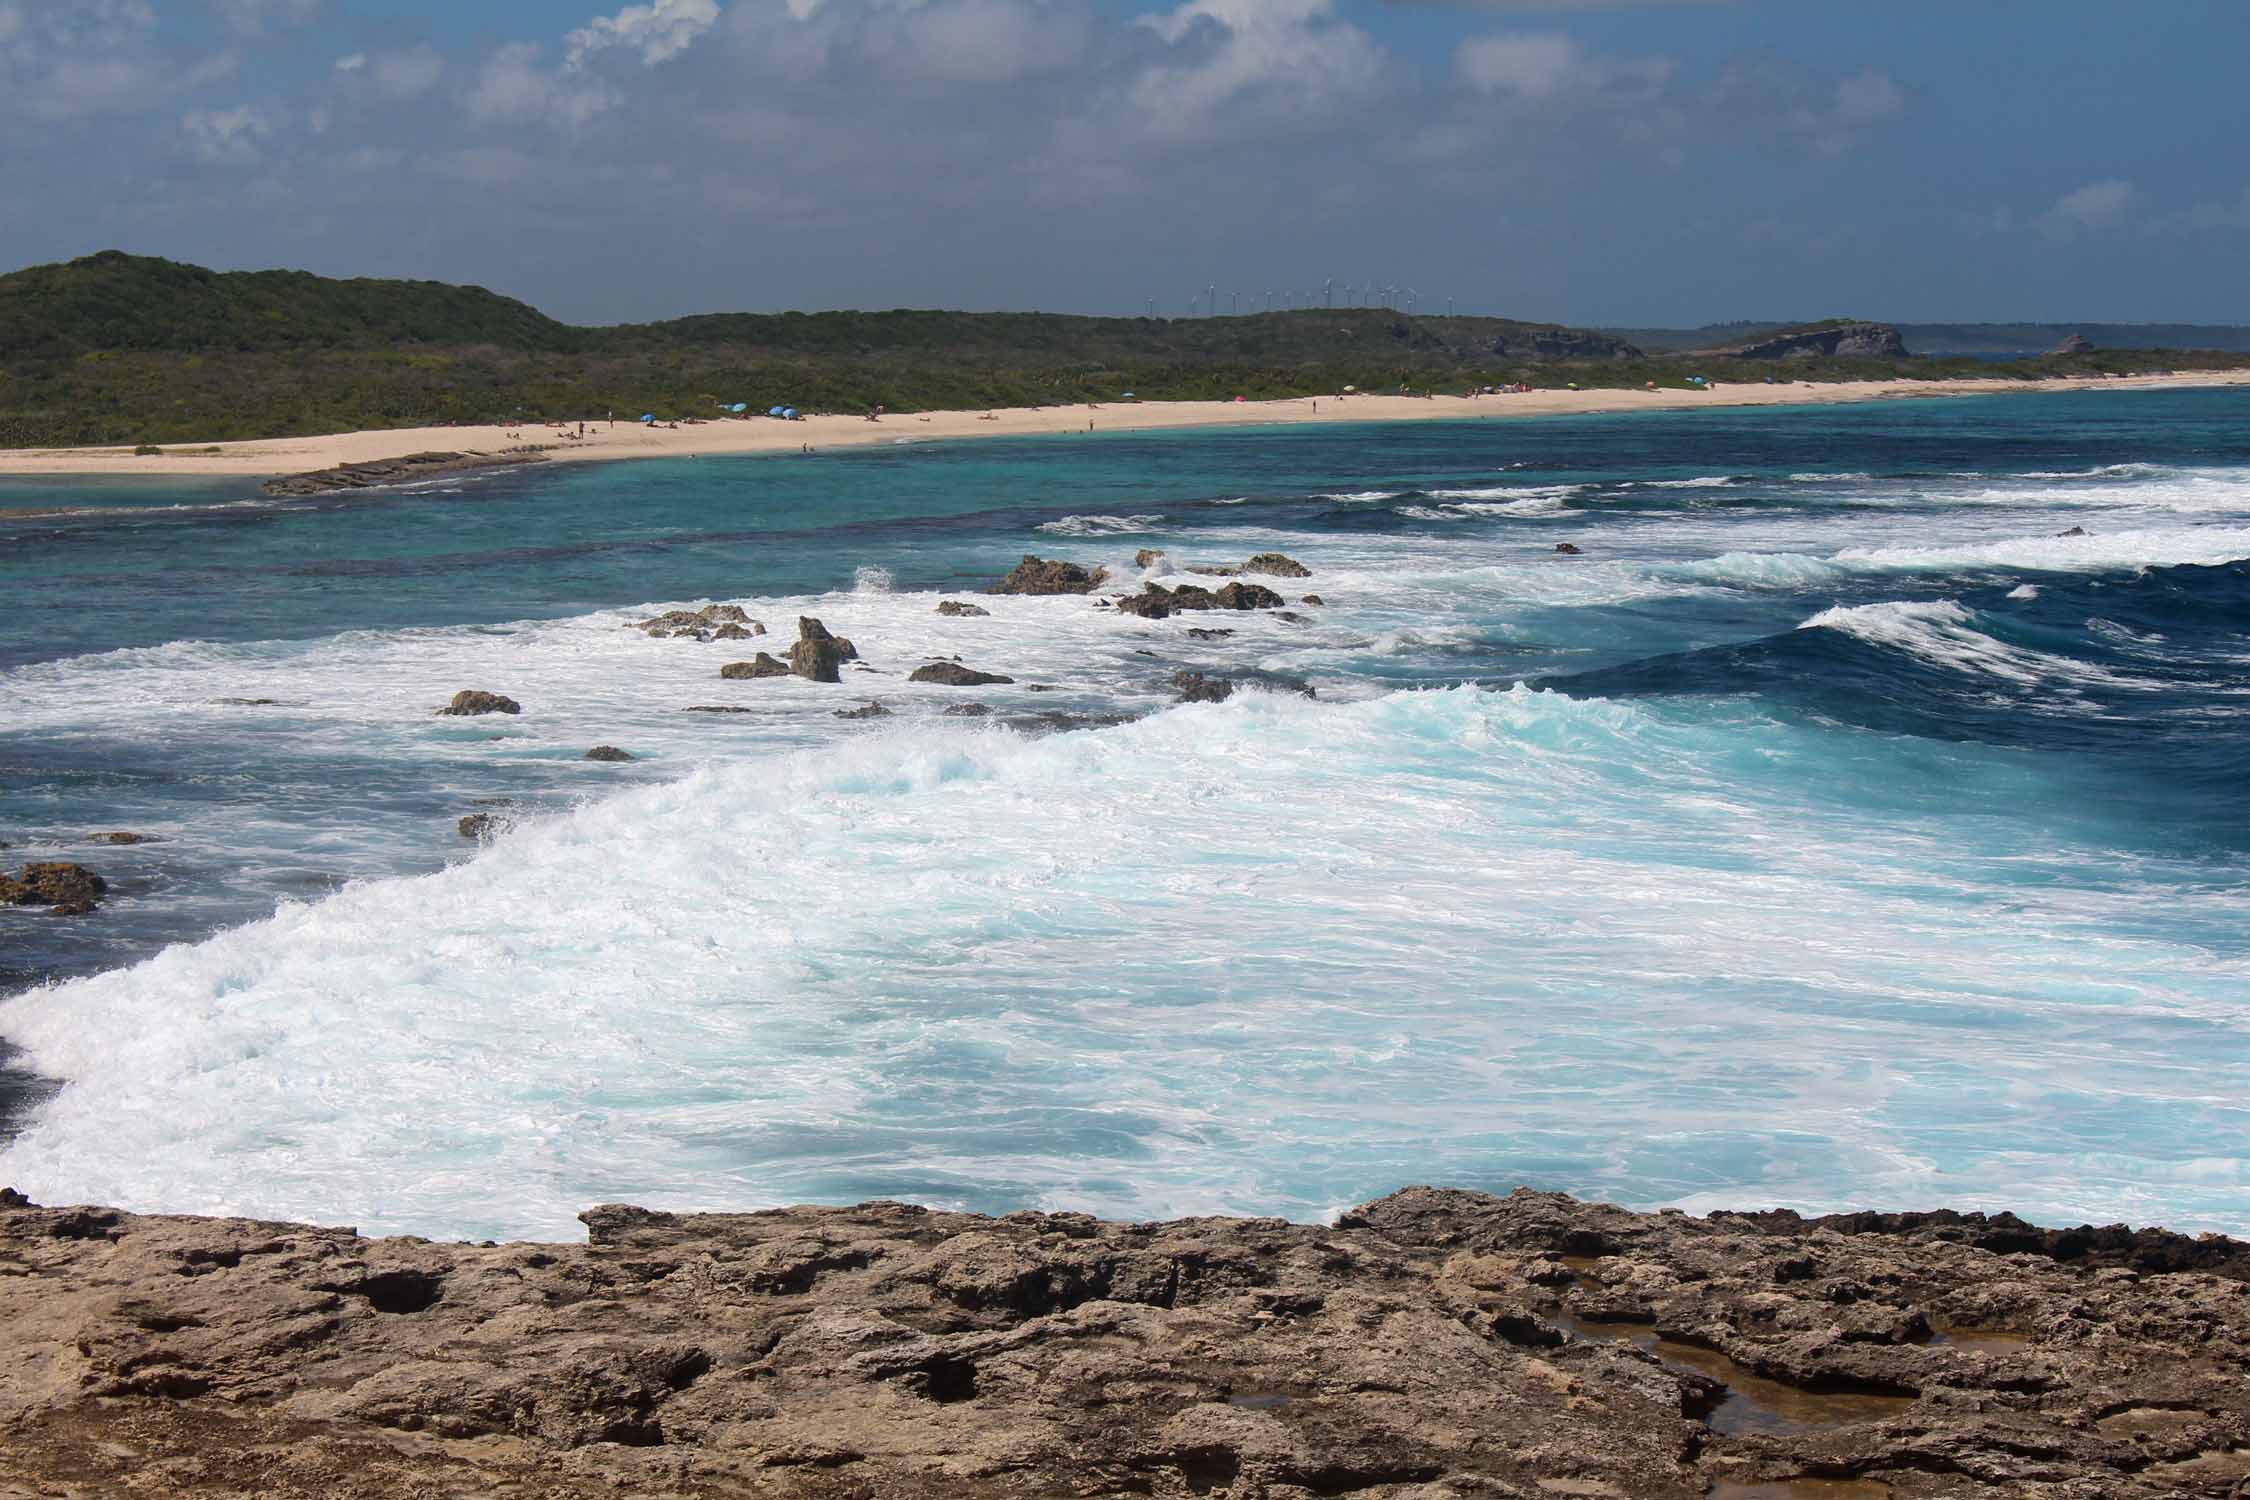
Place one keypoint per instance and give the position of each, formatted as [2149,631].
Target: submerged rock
[1312,599]
[480,826]
[1194,687]
[1148,557]
[1036,575]
[864,711]
[120,839]
[470,702]
[967,710]
[1431,1343]
[960,610]
[1569,549]
[1156,602]
[953,674]
[610,753]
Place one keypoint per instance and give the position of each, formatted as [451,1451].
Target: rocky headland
[1432,1344]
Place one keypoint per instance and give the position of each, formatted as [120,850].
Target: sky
[1665,162]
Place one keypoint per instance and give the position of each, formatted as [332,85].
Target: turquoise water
[1832,831]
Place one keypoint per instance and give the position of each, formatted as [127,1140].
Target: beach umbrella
[739,407]
[773,411]
[789,413]
[648,416]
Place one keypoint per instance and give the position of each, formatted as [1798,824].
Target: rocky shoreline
[1431,1344]
[405,470]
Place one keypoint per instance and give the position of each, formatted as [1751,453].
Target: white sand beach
[723,436]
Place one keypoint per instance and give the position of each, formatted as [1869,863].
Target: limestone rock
[469,702]
[953,674]
[71,889]
[1194,687]
[816,654]
[610,753]
[1278,565]
[761,665]
[1429,1345]
[960,610]
[1035,575]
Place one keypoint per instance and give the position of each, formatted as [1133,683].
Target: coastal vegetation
[114,348]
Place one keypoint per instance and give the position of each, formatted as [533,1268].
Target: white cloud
[2097,205]
[1262,63]
[1868,97]
[1549,69]
[225,137]
[513,89]
[408,74]
[658,31]
[351,64]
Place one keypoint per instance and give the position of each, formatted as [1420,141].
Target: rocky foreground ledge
[1432,1344]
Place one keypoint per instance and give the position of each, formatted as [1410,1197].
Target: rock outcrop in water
[68,890]
[953,674]
[761,665]
[1430,1345]
[1036,575]
[1156,602]
[469,702]
[1279,565]
[713,622]
[610,753]
[959,610]
[816,654]
[414,466]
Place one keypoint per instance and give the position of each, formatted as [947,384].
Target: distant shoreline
[267,457]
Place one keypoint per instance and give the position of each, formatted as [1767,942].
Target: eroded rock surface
[395,471]
[1430,1345]
[470,702]
[1038,575]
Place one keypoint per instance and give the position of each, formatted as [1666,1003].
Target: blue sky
[1590,161]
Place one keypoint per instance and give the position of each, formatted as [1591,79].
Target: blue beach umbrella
[773,411]
[648,416]
[789,413]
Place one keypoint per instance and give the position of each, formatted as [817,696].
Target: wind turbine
[1328,292]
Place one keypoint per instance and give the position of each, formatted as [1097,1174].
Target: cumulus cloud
[225,137]
[352,63]
[2097,205]
[658,31]
[1257,62]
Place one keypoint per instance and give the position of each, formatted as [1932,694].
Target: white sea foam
[2097,552]
[1270,955]
[2024,591]
[1702,482]
[868,579]
[1101,525]
[1941,632]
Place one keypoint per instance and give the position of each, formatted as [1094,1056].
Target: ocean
[1858,819]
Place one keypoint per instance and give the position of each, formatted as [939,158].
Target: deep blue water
[1857,817]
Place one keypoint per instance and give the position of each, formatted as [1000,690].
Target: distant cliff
[1838,339]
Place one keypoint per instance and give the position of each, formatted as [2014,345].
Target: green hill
[114,301]
[117,348]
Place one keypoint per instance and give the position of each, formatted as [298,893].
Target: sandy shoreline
[272,456]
